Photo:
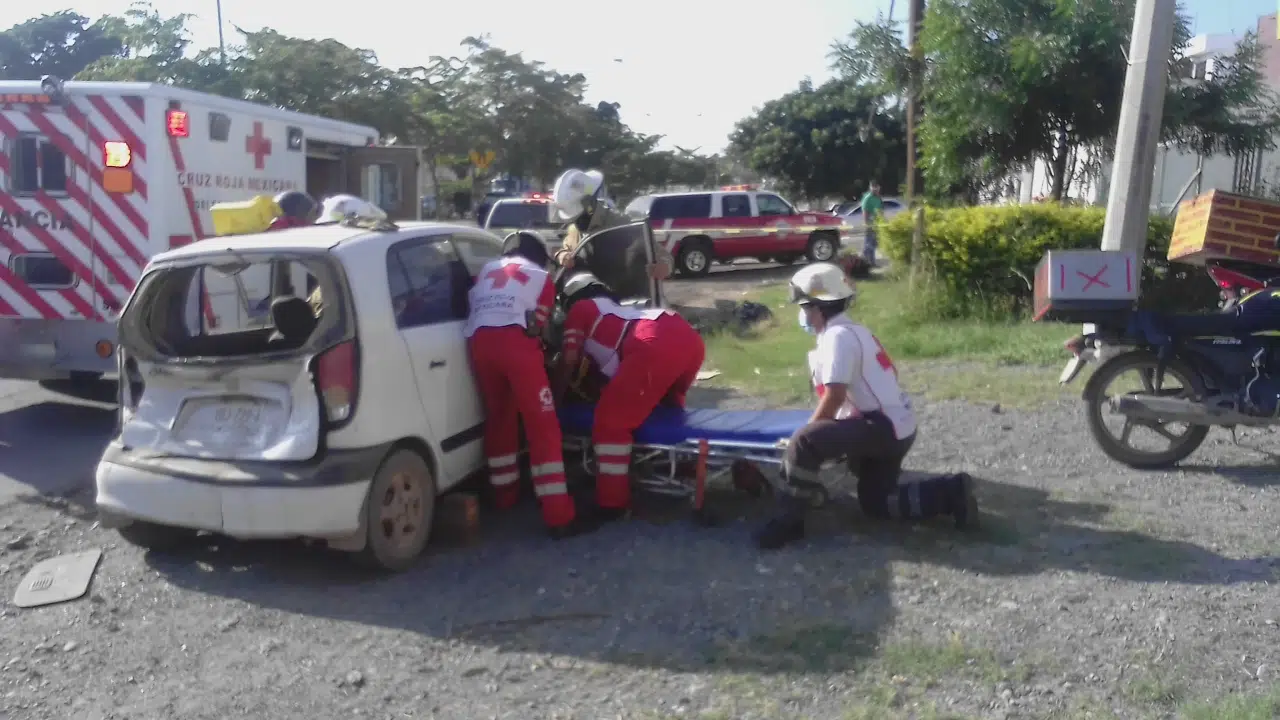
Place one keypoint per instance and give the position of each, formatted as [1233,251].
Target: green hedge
[973,252]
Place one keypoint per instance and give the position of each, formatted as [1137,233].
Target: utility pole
[915,82]
[1141,113]
[914,18]
[222,43]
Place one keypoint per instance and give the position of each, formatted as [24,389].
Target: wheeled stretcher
[678,452]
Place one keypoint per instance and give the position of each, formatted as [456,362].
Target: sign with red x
[1094,279]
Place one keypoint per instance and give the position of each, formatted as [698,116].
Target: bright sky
[689,68]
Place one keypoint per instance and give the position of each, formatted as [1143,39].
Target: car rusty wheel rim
[400,515]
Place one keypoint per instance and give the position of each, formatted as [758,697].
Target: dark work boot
[785,528]
[964,504]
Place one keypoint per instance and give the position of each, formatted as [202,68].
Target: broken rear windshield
[224,308]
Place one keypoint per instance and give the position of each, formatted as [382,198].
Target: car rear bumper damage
[319,499]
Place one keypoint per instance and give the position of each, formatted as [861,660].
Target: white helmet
[337,207]
[571,190]
[821,282]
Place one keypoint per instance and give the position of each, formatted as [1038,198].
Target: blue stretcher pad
[673,426]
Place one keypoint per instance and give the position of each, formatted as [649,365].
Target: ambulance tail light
[116,154]
[337,373]
[117,174]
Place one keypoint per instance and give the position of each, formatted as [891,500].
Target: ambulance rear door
[50,174]
[386,176]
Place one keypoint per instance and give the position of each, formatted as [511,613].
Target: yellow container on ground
[244,217]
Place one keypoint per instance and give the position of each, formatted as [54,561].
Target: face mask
[804,323]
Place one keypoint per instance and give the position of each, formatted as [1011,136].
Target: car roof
[515,200]
[317,237]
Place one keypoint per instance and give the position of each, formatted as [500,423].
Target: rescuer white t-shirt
[849,354]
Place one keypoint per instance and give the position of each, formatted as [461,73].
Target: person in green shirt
[872,213]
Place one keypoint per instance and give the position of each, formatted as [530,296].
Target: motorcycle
[1195,371]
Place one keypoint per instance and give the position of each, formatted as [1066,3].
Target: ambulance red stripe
[49,243]
[197,232]
[77,197]
[127,134]
[78,158]
[127,244]
[178,162]
[138,105]
[46,310]
[98,140]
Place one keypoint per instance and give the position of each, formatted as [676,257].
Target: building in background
[1178,175]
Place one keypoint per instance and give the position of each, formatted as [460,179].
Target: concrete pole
[1141,112]
[914,85]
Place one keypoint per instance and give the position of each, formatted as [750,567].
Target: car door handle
[437,364]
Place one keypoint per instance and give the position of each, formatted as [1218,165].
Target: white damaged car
[311,382]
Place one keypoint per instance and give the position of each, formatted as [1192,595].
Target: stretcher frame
[657,467]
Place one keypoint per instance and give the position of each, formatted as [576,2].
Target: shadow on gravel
[660,592]
[53,447]
[1254,476]
[1027,531]
[655,592]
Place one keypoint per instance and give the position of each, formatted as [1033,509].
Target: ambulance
[96,177]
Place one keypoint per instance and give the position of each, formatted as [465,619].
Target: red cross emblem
[258,145]
[1091,280]
[502,275]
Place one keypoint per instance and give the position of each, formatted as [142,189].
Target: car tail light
[338,380]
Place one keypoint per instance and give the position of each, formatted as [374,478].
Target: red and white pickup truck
[701,228]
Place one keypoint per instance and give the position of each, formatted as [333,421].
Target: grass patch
[770,359]
[1236,707]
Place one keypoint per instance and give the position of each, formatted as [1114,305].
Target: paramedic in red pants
[650,356]
[863,418]
[510,304]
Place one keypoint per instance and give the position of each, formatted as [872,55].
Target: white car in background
[342,424]
[852,220]
[531,212]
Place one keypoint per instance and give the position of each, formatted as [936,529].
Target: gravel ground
[1092,588]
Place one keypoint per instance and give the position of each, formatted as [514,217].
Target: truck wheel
[695,258]
[822,247]
[156,537]
[398,512]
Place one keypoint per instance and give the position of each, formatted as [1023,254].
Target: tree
[1011,81]
[533,118]
[150,48]
[59,44]
[830,140]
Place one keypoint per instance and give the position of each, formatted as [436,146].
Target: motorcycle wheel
[1118,448]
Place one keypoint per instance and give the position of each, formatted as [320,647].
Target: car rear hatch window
[238,356]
